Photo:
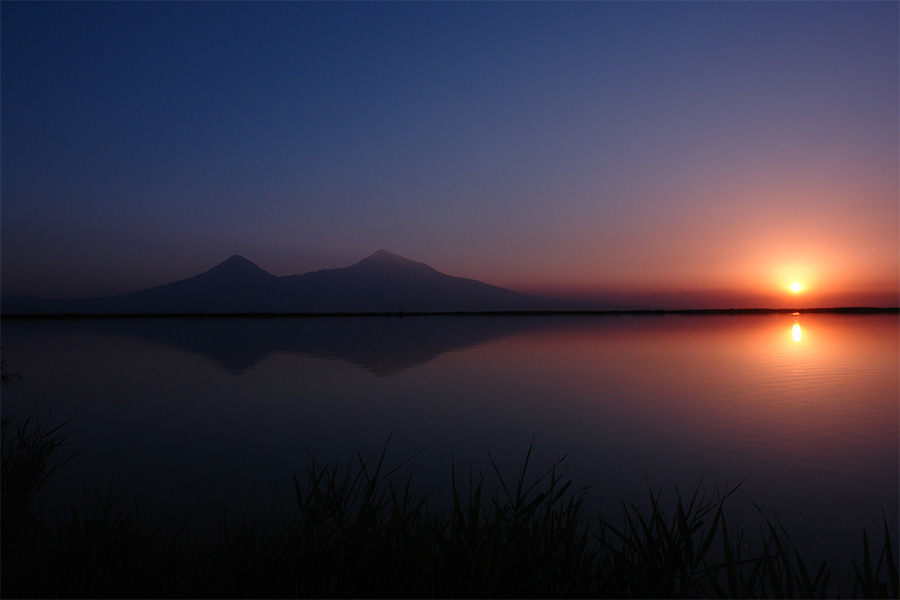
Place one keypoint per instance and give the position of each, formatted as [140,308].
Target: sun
[796,287]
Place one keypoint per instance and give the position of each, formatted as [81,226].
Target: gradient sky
[670,154]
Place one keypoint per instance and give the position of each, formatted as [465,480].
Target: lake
[206,417]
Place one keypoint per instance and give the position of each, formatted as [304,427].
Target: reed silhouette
[361,529]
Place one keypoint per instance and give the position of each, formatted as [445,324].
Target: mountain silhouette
[382,282]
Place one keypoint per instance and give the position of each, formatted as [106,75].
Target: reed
[361,528]
[28,457]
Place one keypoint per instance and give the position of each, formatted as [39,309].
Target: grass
[27,453]
[360,529]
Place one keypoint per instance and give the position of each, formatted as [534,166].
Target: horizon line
[498,313]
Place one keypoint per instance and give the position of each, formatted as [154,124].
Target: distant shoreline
[511,313]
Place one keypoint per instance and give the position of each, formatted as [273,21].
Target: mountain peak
[238,266]
[383,261]
[384,258]
[383,255]
[235,259]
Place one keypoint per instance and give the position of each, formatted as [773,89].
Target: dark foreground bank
[361,530]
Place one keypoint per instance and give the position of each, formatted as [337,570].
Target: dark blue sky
[710,151]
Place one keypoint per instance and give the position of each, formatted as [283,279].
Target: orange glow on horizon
[816,275]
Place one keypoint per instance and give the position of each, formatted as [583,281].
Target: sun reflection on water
[796,333]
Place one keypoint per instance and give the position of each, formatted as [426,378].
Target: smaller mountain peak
[238,265]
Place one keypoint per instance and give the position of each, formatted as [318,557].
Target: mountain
[236,285]
[382,282]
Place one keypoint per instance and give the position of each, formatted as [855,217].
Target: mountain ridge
[381,282]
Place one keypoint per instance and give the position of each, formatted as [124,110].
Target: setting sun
[796,287]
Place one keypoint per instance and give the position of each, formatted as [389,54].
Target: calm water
[204,416]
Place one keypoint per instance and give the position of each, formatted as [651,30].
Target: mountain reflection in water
[382,345]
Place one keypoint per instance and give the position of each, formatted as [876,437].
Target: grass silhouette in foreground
[360,530]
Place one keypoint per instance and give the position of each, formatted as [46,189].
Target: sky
[672,154]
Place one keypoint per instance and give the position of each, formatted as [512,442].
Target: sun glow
[796,287]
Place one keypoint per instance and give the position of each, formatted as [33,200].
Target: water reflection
[383,346]
[810,430]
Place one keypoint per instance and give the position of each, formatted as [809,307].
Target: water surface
[213,416]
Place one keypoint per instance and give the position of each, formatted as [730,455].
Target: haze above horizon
[686,155]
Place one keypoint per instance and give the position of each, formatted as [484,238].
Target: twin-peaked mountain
[383,282]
